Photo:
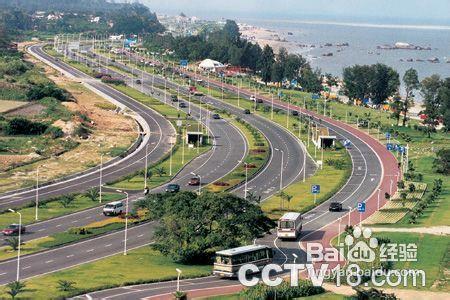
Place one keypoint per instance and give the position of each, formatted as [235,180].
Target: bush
[19,125]
[54,132]
[40,91]
[282,292]
[81,131]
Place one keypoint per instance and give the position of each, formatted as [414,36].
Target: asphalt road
[100,247]
[229,147]
[367,174]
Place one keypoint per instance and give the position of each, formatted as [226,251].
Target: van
[113,208]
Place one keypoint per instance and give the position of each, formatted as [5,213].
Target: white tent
[211,65]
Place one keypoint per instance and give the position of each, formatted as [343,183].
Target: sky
[378,11]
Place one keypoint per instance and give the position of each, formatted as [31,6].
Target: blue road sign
[361,207]
[388,135]
[396,147]
[315,189]
[184,62]
[401,149]
[315,96]
[389,146]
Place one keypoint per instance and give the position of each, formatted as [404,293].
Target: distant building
[211,65]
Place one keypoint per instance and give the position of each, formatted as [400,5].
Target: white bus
[229,261]
[290,225]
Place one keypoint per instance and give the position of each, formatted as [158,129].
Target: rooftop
[243,249]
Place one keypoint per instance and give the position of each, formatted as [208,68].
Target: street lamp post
[146,166]
[349,213]
[281,168]
[126,222]
[18,247]
[37,194]
[100,180]
[339,231]
[295,257]
[378,202]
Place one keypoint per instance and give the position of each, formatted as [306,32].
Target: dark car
[13,229]
[259,100]
[295,113]
[216,116]
[138,81]
[194,181]
[174,98]
[182,105]
[335,206]
[172,188]
[246,111]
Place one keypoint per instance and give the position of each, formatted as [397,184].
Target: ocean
[363,40]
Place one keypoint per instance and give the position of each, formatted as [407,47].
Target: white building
[211,65]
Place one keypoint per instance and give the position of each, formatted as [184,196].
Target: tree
[93,193]
[231,32]
[161,171]
[15,288]
[266,63]
[444,100]
[357,81]
[411,82]
[441,163]
[65,285]
[66,200]
[192,227]
[396,107]
[430,90]
[13,242]
[311,81]
[384,82]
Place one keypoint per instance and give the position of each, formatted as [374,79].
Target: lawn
[53,209]
[139,266]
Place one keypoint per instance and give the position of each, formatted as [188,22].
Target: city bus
[229,261]
[290,225]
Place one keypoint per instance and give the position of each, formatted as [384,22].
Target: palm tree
[288,199]
[161,171]
[13,242]
[93,193]
[65,285]
[66,200]
[15,288]
[403,198]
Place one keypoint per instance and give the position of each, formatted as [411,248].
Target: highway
[229,147]
[89,250]
[374,172]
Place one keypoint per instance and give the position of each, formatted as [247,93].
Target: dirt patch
[8,105]
[28,110]
[108,130]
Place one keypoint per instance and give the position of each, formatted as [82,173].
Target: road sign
[401,149]
[179,123]
[315,189]
[184,62]
[389,146]
[361,207]
[396,147]
[388,135]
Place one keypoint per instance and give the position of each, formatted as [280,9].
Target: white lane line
[41,229]
[71,255]
[90,250]
[49,261]
[1,274]
[141,235]
[108,245]
[24,268]
[58,225]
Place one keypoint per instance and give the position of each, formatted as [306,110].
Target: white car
[113,208]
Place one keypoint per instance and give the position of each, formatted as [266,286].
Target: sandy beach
[262,36]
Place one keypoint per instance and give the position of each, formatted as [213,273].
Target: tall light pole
[281,168]
[246,178]
[349,214]
[126,222]
[199,182]
[18,247]
[271,113]
[100,180]
[178,279]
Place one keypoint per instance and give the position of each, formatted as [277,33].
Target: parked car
[259,100]
[335,206]
[246,111]
[138,81]
[295,113]
[13,229]
[216,116]
[174,98]
[182,105]
[194,181]
[172,188]
[113,209]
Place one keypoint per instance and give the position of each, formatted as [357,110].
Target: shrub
[54,132]
[283,291]
[19,125]
[40,91]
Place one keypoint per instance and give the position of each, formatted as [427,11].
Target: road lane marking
[71,255]
[49,261]
[90,250]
